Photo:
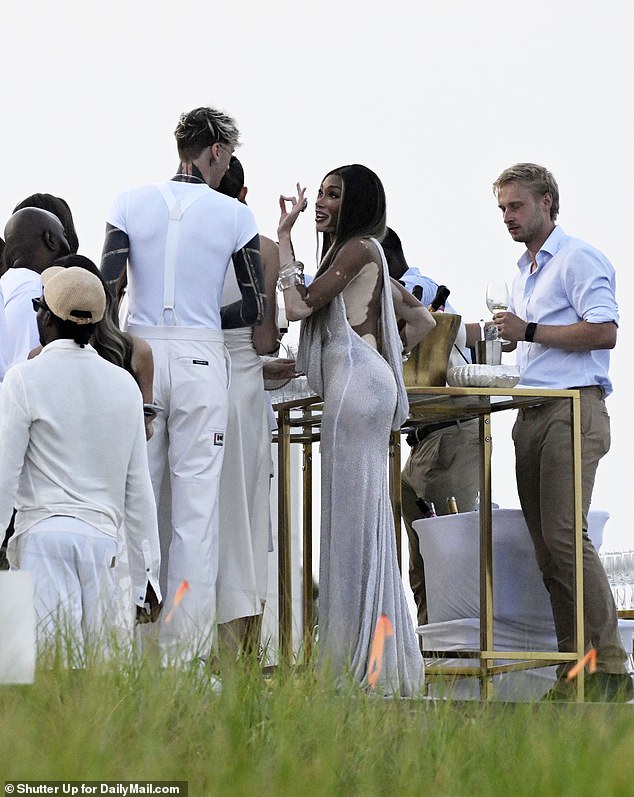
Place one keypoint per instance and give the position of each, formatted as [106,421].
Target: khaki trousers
[445,463]
[544,473]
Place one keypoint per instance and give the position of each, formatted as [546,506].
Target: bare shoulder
[361,249]
[356,254]
[269,249]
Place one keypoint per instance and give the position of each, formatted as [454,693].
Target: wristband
[530,331]
[292,267]
[290,280]
[291,274]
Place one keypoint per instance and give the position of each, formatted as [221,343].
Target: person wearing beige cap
[73,461]
[73,294]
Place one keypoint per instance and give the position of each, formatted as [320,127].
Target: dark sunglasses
[38,304]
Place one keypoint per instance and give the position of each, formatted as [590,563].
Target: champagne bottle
[440,299]
[427,508]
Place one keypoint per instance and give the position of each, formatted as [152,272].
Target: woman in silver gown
[351,352]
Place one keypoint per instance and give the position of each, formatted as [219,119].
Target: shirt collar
[547,251]
[66,343]
[187,178]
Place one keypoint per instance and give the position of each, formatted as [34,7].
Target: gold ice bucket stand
[427,363]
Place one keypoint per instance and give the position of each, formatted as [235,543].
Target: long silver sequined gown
[359,578]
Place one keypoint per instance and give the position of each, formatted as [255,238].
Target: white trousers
[191,378]
[72,564]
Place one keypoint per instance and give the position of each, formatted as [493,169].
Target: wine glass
[628,568]
[619,580]
[609,562]
[624,580]
[498,299]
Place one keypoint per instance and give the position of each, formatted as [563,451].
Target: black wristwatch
[530,331]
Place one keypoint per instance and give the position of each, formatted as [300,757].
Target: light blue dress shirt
[573,281]
[413,277]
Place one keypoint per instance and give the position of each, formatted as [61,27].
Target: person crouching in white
[73,461]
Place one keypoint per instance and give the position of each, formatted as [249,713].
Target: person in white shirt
[178,238]
[33,239]
[3,338]
[245,522]
[4,565]
[73,462]
[3,325]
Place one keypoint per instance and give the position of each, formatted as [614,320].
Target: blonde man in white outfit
[73,461]
[179,238]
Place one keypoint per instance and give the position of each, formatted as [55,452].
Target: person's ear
[50,240]
[242,196]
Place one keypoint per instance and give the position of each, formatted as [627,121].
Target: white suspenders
[176,208]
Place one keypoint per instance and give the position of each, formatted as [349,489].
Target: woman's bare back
[362,298]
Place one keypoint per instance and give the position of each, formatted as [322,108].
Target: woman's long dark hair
[362,213]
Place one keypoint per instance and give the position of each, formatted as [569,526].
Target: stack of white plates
[483,376]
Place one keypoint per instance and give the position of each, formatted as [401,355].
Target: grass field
[293,733]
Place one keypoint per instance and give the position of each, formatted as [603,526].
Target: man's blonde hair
[537,179]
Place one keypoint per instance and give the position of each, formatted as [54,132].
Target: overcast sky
[437,98]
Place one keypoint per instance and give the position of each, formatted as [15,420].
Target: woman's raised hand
[289,217]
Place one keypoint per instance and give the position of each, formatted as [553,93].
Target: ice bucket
[427,363]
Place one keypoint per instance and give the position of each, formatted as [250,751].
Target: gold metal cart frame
[298,422]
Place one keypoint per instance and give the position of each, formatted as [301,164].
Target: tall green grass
[293,733]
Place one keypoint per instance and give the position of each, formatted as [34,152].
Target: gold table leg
[307,552]
[284,583]
[575,408]
[394,472]
[486,557]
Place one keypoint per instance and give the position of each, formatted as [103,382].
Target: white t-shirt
[19,286]
[3,338]
[210,231]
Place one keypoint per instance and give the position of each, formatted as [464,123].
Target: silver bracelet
[292,267]
[290,280]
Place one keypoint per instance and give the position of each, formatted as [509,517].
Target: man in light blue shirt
[563,320]
[572,284]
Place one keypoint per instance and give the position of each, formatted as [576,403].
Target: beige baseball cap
[74,294]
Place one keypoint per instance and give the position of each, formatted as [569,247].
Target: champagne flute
[608,560]
[498,299]
[291,385]
[628,568]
